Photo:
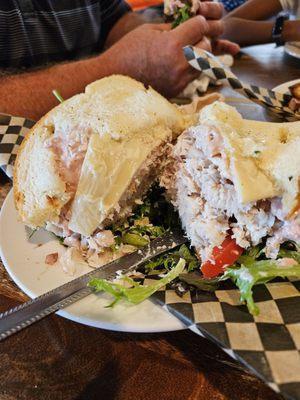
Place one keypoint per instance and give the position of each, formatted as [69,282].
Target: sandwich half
[232,178]
[87,163]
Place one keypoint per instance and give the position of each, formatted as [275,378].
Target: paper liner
[12,132]
[209,65]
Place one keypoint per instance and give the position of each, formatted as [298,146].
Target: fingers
[223,46]
[193,30]
[204,44]
[160,27]
[215,28]
[211,10]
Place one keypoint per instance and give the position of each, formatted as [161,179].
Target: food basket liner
[209,65]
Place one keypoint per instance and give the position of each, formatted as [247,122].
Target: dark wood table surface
[59,359]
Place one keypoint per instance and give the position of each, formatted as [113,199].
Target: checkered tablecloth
[268,344]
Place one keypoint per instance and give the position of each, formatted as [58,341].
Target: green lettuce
[183,15]
[252,268]
[58,95]
[245,277]
[167,261]
[196,279]
[150,220]
[135,293]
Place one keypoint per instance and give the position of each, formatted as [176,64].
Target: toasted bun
[113,112]
[39,192]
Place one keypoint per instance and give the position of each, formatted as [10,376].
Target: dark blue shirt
[35,32]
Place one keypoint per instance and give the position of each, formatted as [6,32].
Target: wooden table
[59,359]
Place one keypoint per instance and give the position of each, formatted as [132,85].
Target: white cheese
[108,169]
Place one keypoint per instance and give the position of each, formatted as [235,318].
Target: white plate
[284,87]
[24,261]
[293,49]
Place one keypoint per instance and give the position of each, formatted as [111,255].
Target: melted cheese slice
[132,122]
[264,157]
[108,170]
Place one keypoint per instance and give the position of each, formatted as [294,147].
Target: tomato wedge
[222,257]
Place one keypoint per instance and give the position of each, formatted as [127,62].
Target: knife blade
[18,318]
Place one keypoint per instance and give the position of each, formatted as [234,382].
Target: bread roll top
[78,161]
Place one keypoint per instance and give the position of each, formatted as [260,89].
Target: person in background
[36,32]
[250,23]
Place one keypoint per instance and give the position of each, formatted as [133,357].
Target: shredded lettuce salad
[180,266]
[132,291]
[253,268]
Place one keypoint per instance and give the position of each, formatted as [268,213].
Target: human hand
[152,53]
[215,11]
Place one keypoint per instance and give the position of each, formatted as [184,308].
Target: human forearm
[245,32]
[151,53]
[256,10]
[30,94]
[248,23]
[291,31]
[127,23]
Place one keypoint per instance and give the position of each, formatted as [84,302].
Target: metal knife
[20,317]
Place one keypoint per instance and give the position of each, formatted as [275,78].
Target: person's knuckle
[216,28]
[221,27]
[221,7]
[209,8]
[202,23]
[203,7]
[218,7]
[201,19]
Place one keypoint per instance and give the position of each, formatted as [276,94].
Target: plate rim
[281,88]
[289,49]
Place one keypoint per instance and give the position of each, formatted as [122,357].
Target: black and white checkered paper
[12,132]
[268,344]
[209,65]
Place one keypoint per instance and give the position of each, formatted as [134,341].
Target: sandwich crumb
[51,259]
